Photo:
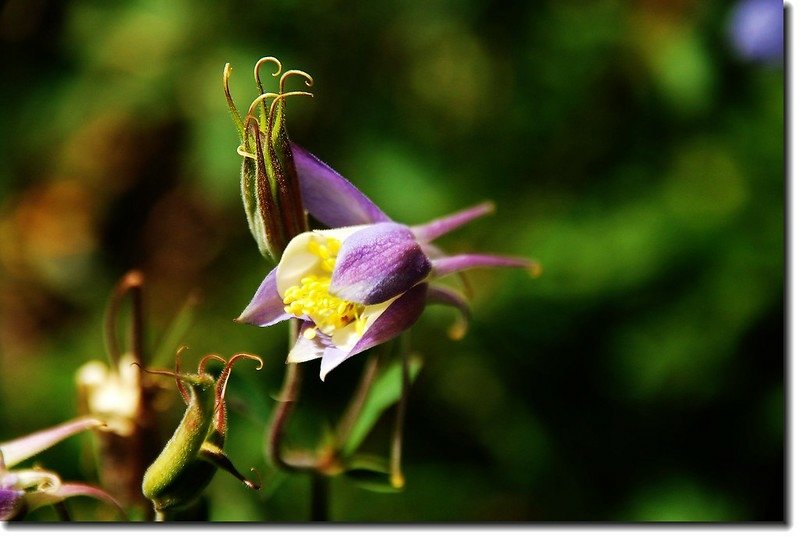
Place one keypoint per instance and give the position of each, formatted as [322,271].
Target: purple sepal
[457,263]
[266,307]
[16,451]
[377,263]
[438,294]
[329,197]
[441,226]
[398,317]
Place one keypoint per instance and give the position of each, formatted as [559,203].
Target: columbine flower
[22,490]
[111,393]
[365,280]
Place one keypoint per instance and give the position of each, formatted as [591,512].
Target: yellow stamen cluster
[313,299]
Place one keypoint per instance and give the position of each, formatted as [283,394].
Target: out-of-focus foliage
[628,149]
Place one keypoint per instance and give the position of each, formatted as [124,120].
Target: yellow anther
[360,324]
[312,298]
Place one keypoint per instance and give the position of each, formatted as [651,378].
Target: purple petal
[398,317]
[457,263]
[266,307]
[10,503]
[441,226]
[437,294]
[329,197]
[377,263]
[16,451]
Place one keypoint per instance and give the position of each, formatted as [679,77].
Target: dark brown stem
[288,397]
[62,512]
[320,494]
[131,284]
[288,394]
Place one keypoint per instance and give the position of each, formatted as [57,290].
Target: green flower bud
[269,185]
[190,458]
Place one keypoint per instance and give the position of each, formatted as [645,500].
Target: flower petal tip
[535,269]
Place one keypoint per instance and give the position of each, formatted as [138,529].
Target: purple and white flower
[366,279]
[23,490]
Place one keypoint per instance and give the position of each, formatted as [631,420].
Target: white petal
[305,349]
[345,338]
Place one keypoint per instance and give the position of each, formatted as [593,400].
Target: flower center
[312,297]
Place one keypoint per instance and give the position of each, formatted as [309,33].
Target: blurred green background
[628,149]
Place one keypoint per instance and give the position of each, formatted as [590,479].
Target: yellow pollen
[313,299]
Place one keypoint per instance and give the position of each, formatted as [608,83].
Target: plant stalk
[397,479]
[320,496]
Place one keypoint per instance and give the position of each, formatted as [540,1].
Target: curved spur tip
[457,331]
[535,269]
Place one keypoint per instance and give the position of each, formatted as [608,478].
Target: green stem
[397,479]
[356,404]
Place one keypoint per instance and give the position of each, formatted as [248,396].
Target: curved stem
[291,386]
[288,397]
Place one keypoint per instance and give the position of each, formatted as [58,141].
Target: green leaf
[385,392]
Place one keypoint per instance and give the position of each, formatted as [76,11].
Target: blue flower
[756,30]
[366,279]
